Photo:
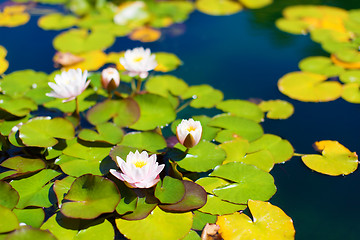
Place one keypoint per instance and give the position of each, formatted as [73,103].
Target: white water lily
[189,132]
[138,61]
[69,84]
[110,78]
[139,170]
[130,11]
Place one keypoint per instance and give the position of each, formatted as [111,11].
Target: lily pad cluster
[322,78]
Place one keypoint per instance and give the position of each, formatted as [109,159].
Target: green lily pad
[34,190]
[106,132]
[17,106]
[8,195]
[241,108]
[335,159]
[159,225]
[277,109]
[122,151]
[215,206]
[309,87]
[111,27]
[91,20]
[80,40]
[42,131]
[350,76]
[330,39]
[57,21]
[27,232]
[250,183]
[145,204]
[24,165]
[244,128]
[150,141]
[203,96]
[348,55]
[123,112]
[280,149]
[218,7]
[89,197]
[192,235]
[166,85]
[194,198]
[201,219]
[320,65]
[294,26]
[235,149]
[254,4]
[7,125]
[351,92]
[11,222]
[166,62]
[210,183]
[201,158]
[270,222]
[169,190]
[156,111]
[33,217]
[262,159]
[61,187]
[128,201]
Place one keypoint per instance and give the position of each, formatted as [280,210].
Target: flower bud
[110,78]
[189,132]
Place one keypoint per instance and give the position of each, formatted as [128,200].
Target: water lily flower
[189,132]
[130,11]
[138,61]
[139,170]
[69,84]
[110,78]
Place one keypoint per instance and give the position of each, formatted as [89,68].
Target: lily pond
[204,119]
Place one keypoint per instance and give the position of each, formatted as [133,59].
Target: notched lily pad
[277,109]
[242,108]
[23,165]
[17,106]
[166,62]
[106,132]
[203,96]
[57,21]
[150,141]
[169,190]
[320,65]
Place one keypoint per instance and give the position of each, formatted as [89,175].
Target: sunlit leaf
[216,206]
[351,92]
[294,26]
[145,204]
[8,195]
[89,197]
[203,96]
[320,65]
[192,235]
[93,60]
[159,225]
[235,149]
[241,108]
[201,219]
[57,21]
[335,159]
[13,16]
[28,232]
[347,65]
[254,4]
[218,7]
[106,132]
[309,87]
[61,187]
[145,34]
[17,106]
[269,222]
[277,109]
[33,216]
[11,222]
[23,165]
[350,76]
[169,190]
[166,62]
[150,141]
[166,85]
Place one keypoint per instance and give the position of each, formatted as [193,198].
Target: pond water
[244,55]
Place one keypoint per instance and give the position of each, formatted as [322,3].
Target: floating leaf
[145,204]
[169,190]
[159,225]
[13,16]
[351,92]
[237,126]
[156,111]
[106,132]
[23,165]
[166,85]
[57,21]
[309,87]
[128,201]
[61,187]
[123,112]
[7,125]
[80,40]
[89,197]
[347,65]
[8,195]
[204,96]
[215,206]
[166,62]
[294,26]
[241,108]
[270,222]
[254,4]
[218,7]
[192,235]
[277,109]
[235,149]
[145,34]
[28,232]
[262,159]
[201,219]
[210,183]
[11,222]
[150,141]
[41,131]
[250,183]
[3,63]
[92,61]
[17,106]
[201,158]
[33,217]
[350,76]
[34,190]
[335,159]
[320,65]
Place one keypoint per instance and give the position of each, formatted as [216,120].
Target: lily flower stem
[133,87]
[183,107]
[187,151]
[77,112]
[138,86]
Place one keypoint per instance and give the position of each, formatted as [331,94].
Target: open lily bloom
[189,132]
[138,61]
[69,84]
[139,170]
[110,78]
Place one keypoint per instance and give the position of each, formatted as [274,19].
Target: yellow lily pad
[166,62]
[145,34]
[13,16]
[351,92]
[93,60]
[218,7]
[335,159]
[347,65]
[277,109]
[254,4]
[269,222]
[309,87]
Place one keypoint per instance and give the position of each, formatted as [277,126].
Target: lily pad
[57,21]
[28,232]
[262,159]
[277,109]
[210,183]
[218,7]
[294,26]
[235,149]
[254,4]
[17,106]
[269,222]
[203,96]
[216,206]
[320,65]
[24,165]
[159,225]
[8,195]
[13,16]
[89,197]
[249,183]
[351,92]
[11,222]
[350,76]
[150,141]
[92,61]
[42,131]
[145,34]
[335,159]
[145,204]
[241,108]
[309,87]
[155,111]
[61,187]
[106,132]
[166,62]
[169,190]
[166,85]
[201,219]
[33,217]
[34,190]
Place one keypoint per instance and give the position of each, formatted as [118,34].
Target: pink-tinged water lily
[138,61]
[189,132]
[69,84]
[110,78]
[139,170]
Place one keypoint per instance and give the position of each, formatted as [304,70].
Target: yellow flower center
[140,164]
[138,59]
[191,128]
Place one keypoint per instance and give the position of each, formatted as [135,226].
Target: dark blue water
[244,55]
